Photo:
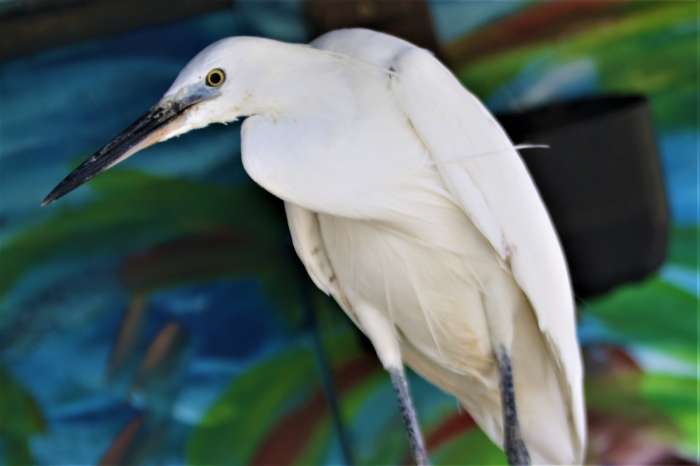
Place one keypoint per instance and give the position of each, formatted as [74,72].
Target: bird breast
[340,162]
[427,268]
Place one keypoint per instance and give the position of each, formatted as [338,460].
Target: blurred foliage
[666,404]
[473,447]
[149,211]
[143,208]
[20,418]
[236,425]
[654,313]
[646,50]
[683,247]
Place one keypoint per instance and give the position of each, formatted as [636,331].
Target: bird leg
[408,412]
[382,333]
[515,448]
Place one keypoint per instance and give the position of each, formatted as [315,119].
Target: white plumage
[408,204]
[463,233]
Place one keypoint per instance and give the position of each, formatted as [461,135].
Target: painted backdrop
[158,316]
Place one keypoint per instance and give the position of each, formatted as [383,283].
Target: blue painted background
[159,315]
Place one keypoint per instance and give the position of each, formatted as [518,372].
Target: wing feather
[482,170]
[498,195]
[305,230]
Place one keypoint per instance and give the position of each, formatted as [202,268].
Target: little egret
[408,203]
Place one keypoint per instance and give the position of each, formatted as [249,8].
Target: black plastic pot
[602,183]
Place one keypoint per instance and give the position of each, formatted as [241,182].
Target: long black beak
[151,128]
[118,149]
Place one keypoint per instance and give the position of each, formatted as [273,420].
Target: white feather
[418,248]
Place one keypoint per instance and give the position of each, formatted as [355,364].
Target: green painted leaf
[16,451]
[132,210]
[683,248]
[20,418]
[652,313]
[665,403]
[473,447]
[20,414]
[651,46]
[234,426]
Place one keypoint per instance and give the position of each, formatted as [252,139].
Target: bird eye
[216,77]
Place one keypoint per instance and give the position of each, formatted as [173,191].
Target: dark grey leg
[515,448]
[408,412]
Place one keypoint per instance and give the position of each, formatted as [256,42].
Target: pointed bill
[159,123]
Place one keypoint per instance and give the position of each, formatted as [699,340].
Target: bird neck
[292,79]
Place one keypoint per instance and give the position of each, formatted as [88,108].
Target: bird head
[214,87]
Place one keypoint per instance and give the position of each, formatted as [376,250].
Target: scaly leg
[408,412]
[515,448]
[501,306]
[382,333]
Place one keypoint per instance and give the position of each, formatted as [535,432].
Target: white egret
[408,203]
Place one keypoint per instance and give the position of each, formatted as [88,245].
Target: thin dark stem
[327,381]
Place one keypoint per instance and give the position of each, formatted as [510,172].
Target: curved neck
[284,78]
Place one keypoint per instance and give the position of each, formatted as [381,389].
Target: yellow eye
[215,77]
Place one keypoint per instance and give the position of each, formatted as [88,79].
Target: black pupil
[215,77]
